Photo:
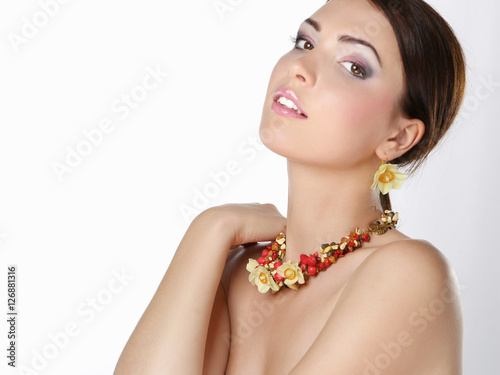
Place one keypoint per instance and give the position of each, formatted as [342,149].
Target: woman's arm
[171,335]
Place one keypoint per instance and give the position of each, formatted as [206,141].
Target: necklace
[269,272]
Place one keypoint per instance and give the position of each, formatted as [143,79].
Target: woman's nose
[303,70]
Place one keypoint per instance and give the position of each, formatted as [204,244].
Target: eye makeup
[301,42]
[348,39]
[354,65]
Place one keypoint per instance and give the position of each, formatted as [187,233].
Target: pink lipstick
[286,103]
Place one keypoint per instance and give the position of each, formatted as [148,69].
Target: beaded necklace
[269,272]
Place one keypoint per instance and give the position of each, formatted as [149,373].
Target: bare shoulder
[416,279]
[415,270]
[401,309]
[415,261]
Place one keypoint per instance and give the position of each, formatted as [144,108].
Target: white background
[119,209]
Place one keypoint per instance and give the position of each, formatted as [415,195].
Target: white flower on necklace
[291,273]
[261,277]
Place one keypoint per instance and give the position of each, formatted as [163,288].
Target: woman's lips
[285,111]
[292,100]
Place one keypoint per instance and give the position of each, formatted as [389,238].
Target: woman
[367,82]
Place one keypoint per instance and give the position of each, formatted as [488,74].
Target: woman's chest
[271,333]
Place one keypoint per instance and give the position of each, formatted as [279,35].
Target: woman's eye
[301,43]
[354,69]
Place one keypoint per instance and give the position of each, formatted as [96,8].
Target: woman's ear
[407,134]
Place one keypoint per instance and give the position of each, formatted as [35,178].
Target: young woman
[368,82]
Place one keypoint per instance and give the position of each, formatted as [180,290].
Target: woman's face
[345,76]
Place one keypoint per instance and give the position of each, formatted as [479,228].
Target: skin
[390,307]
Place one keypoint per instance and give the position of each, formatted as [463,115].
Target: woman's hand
[245,223]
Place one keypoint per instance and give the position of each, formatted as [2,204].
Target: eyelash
[296,39]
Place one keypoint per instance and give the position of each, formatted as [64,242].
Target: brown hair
[434,73]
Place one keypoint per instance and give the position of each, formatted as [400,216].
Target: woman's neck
[326,205]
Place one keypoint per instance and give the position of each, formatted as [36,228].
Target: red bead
[261,260]
[310,261]
[278,278]
[277,264]
[366,237]
[321,266]
[316,254]
[312,270]
[303,258]
[274,255]
[327,262]
[356,237]
[268,247]
[303,266]
[265,253]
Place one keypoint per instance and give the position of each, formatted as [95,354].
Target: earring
[388,177]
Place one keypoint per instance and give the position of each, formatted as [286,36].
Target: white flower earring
[388,177]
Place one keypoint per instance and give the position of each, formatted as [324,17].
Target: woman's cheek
[364,110]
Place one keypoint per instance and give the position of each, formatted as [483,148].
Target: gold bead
[386,177]
[290,274]
[263,278]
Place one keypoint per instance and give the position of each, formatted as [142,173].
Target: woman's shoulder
[406,256]
[419,290]
[414,266]
[405,296]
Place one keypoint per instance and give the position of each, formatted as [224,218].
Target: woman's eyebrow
[314,24]
[352,40]
[345,38]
